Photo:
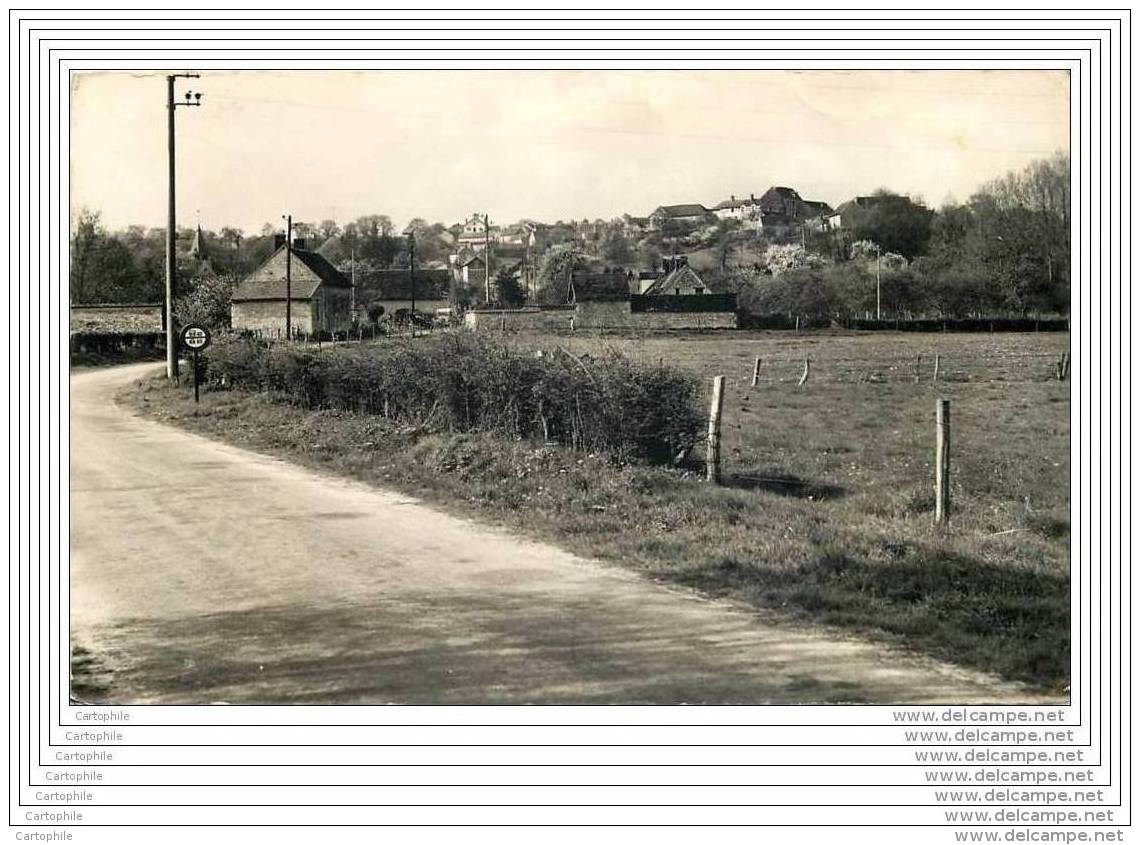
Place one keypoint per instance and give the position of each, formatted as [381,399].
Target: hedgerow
[463,383]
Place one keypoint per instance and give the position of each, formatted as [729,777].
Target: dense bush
[460,383]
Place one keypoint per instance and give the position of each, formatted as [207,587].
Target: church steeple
[198,247]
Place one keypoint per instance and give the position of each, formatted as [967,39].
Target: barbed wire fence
[806,370]
[795,373]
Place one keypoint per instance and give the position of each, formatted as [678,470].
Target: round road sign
[195,338]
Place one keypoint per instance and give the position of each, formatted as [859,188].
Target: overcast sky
[546,145]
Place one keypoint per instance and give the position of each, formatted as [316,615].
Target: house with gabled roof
[476,232]
[319,295]
[687,214]
[737,208]
[679,279]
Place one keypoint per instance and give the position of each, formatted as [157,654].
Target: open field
[826,512]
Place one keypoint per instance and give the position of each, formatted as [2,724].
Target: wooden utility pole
[878,283]
[171,266]
[412,273]
[288,276]
[487,255]
[942,462]
[712,453]
[756,372]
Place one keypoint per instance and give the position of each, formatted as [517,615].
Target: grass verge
[790,538]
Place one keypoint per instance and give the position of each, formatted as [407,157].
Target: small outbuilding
[677,279]
[319,294]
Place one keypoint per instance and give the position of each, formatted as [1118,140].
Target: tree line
[129,265]
[1004,251]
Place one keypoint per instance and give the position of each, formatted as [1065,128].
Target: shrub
[463,383]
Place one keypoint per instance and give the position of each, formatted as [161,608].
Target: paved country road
[204,573]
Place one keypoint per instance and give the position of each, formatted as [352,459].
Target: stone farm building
[784,207]
[687,215]
[392,288]
[321,296]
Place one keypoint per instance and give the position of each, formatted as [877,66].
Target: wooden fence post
[1068,361]
[807,372]
[712,449]
[942,462]
[937,364]
[756,372]
[917,369]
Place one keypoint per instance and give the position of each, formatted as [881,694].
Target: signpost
[195,338]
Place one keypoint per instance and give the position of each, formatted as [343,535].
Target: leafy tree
[511,293]
[780,258]
[896,223]
[616,248]
[371,237]
[723,244]
[207,302]
[554,275]
[1027,217]
[649,254]
[102,267]
[85,238]
[802,291]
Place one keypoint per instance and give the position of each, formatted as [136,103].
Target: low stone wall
[598,315]
[108,319]
[617,315]
[661,321]
[557,321]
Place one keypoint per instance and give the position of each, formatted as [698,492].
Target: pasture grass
[826,509]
